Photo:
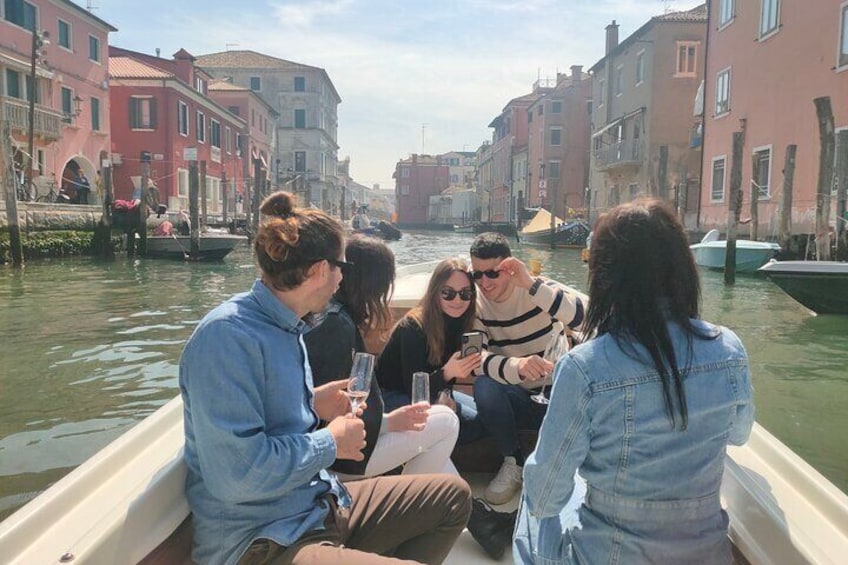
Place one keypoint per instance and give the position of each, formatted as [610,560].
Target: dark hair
[290,240]
[367,284]
[428,313]
[641,276]
[490,245]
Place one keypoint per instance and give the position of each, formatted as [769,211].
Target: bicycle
[51,195]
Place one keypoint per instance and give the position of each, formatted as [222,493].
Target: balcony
[48,122]
[618,153]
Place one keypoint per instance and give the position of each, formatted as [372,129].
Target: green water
[89,348]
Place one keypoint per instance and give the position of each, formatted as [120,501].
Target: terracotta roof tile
[226,85]
[126,67]
[696,14]
[246,59]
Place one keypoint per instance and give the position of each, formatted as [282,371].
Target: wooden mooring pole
[105,227]
[203,203]
[9,191]
[785,228]
[734,207]
[662,173]
[193,212]
[824,113]
[841,191]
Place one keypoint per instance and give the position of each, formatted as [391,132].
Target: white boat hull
[750,255]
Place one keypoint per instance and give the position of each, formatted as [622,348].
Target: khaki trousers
[407,518]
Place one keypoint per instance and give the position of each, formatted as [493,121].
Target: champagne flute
[359,383]
[554,350]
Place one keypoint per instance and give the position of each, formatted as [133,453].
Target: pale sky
[401,67]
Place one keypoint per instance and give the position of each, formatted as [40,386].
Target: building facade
[642,113]
[766,89]
[161,108]
[416,180]
[71,90]
[307,125]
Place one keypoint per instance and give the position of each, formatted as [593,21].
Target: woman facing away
[417,437]
[428,339]
[644,411]
[256,457]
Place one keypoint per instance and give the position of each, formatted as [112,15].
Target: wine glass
[554,350]
[359,383]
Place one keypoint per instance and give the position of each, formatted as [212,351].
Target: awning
[617,121]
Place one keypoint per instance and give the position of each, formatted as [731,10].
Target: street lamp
[39,40]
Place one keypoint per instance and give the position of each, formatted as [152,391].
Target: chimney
[185,66]
[576,73]
[612,37]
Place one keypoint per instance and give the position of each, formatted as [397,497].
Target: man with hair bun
[257,480]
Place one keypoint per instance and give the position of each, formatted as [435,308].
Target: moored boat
[126,503]
[821,286]
[383,230]
[213,246]
[572,233]
[750,255]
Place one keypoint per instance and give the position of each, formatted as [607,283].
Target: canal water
[89,348]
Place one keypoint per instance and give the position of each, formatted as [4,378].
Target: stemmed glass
[359,383]
[554,350]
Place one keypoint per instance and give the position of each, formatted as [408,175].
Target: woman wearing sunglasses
[415,437]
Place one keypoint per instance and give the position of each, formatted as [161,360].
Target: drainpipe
[703,120]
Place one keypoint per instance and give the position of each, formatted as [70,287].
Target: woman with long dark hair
[644,411]
[417,437]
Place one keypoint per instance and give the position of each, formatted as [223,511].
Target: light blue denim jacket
[652,490]
[255,457]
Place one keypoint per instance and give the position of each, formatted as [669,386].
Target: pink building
[71,125]
[416,180]
[161,106]
[765,87]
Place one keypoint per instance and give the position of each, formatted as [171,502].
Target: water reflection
[88,348]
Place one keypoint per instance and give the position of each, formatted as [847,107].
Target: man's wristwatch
[535,286]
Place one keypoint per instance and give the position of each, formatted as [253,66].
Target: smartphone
[472,342]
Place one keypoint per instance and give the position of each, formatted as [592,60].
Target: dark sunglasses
[343,265]
[466,294]
[491,274]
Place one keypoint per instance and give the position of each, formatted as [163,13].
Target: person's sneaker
[492,530]
[506,483]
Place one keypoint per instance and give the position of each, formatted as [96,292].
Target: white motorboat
[750,255]
[126,504]
[821,286]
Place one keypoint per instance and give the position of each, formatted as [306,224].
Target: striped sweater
[521,326]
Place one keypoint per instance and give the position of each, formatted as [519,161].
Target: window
[717,185]
[300,161]
[199,84]
[540,111]
[253,118]
[769,16]
[634,190]
[300,119]
[640,68]
[39,159]
[93,49]
[556,136]
[67,104]
[686,63]
[725,12]
[556,107]
[64,34]
[238,144]
[142,112]
[553,170]
[95,113]
[404,173]
[182,183]
[722,104]
[602,95]
[20,13]
[843,38]
[762,170]
[299,84]
[255,84]
[201,127]
[228,139]
[404,190]
[13,84]
[215,133]
[619,80]
[182,118]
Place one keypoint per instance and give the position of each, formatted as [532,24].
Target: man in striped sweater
[517,314]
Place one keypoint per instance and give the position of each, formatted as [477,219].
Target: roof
[524,100]
[126,67]
[225,85]
[246,59]
[85,13]
[696,15]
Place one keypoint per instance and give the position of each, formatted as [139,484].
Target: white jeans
[427,451]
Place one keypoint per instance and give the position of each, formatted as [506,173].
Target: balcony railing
[47,123]
[618,153]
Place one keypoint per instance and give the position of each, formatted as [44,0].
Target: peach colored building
[767,61]
[71,125]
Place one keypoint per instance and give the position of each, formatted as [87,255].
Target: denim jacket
[255,456]
[652,491]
